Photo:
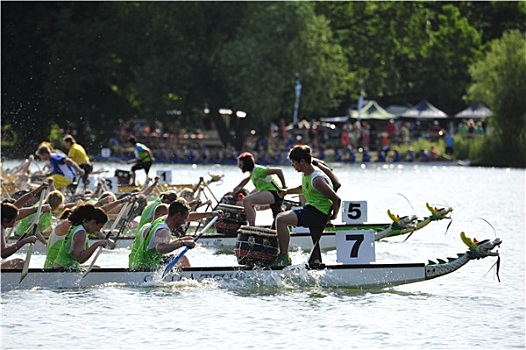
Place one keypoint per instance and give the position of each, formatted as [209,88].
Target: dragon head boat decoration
[409,224]
[476,250]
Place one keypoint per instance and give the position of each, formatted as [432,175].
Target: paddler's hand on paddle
[103,243]
[26,240]
[218,213]
[188,243]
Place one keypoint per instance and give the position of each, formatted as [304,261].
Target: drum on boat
[256,246]
[233,218]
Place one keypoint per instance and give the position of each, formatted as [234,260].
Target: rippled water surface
[468,309]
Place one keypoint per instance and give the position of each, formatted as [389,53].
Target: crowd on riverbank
[350,142]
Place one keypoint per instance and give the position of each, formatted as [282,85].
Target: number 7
[356,246]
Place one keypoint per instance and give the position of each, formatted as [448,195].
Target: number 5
[354,212]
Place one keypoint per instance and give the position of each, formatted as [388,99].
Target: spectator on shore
[450,143]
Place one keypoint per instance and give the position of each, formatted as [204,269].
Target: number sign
[165,176]
[354,212]
[355,247]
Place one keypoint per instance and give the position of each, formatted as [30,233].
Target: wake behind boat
[352,275]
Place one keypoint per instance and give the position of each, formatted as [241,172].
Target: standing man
[143,158]
[322,204]
[62,168]
[79,155]
[266,184]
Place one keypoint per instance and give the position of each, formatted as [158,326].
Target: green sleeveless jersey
[25,224]
[262,181]
[148,258]
[52,250]
[132,257]
[148,211]
[66,258]
[312,196]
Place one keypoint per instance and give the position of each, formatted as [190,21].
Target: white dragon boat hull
[352,276]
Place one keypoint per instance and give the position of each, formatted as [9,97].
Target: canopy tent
[475,111]
[396,109]
[372,111]
[424,110]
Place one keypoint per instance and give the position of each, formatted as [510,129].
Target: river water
[468,309]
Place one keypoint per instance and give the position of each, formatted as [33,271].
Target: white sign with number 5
[354,212]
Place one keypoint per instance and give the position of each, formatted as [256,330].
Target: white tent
[424,110]
[475,111]
[372,111]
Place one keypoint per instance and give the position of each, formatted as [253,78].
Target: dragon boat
[300,236]
[363,276]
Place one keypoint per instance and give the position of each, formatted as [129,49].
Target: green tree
[275,44]
[452,45]
[499,81]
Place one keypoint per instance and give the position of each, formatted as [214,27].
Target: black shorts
[142,165]
[310,216]
[276,207]
[88,168]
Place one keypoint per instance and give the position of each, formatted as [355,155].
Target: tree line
[90,66]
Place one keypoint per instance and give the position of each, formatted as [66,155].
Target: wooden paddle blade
[25,269]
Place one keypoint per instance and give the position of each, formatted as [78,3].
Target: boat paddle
[119,216]
[25,268]
[132,212]
[209,190]
[175,260]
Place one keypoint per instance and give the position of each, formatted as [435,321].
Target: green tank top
[132,257]
[141,153]
[148,211]
[262,181]
[25,224]
[52,251]
[65,258]
[146,258]
[312,196]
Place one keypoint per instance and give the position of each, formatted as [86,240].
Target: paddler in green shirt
[265,181]
[55,199]
[322,204]
[75,249]
[157,243]
[148,212]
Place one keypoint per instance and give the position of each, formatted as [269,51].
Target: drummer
[322,205]
[266,186]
